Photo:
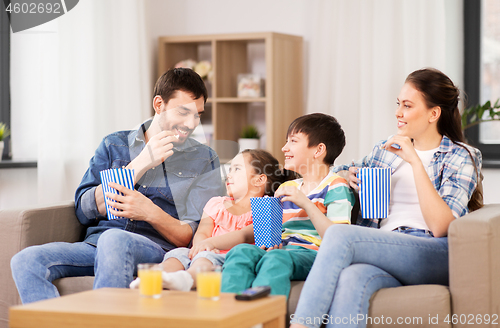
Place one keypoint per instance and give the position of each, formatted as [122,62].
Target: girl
[434,181]
[226,221]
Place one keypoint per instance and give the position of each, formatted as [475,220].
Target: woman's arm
[436,212]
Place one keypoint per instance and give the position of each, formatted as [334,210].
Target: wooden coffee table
[113,307]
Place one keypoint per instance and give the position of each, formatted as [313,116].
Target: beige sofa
[474,269]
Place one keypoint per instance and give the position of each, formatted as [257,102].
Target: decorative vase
[1,149]
[246,143]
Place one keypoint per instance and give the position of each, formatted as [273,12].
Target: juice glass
[208,283]
[150,284]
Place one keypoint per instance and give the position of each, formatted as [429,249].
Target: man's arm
[89,199]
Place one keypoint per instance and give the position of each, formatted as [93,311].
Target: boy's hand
[294,195]
[280,246]
[200,247]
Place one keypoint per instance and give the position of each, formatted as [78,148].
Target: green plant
[4,131]
[475,114]
[250,132]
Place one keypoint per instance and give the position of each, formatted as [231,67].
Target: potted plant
[475,114]
[249,138]
[4,133]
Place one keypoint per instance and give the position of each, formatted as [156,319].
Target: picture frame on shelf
[250,86]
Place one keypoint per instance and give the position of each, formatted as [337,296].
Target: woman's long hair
[438,90]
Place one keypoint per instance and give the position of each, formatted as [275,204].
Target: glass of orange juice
[208,282]
[150,279]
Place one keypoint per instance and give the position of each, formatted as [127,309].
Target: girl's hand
[406,152]
[201,247]
[294,195]
[353,178]
[132,205]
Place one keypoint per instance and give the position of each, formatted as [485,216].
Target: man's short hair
[320,128]
[180,79]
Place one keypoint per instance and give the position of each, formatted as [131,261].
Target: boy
[310,205]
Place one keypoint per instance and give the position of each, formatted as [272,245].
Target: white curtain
[361,52]
[88,74]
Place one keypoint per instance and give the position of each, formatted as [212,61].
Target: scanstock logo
[25,14]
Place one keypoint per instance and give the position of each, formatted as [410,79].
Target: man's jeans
[114,262]
[354,262]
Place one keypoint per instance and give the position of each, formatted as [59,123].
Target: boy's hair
[180,79]
[265,163]
[320,128]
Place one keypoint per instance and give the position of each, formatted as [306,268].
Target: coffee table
[114,307]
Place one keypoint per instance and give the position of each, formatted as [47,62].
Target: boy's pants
[250,266]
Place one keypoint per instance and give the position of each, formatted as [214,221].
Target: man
[174,177]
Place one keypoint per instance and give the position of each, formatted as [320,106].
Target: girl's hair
[438,90]
[265,163]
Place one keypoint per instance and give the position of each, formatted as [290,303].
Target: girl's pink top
[223,220]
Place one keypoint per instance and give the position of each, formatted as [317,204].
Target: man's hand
[157,150]
[99,200]
[132,205]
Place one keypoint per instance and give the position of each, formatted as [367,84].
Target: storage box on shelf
[278,58]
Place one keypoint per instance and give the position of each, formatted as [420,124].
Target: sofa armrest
[40,225]
[27,227]
[474,243]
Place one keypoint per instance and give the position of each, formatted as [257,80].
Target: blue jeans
[114,263]
[250,266]
[354,262]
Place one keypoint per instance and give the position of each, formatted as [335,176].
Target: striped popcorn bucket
[267,213]
[374,192]
[124,177]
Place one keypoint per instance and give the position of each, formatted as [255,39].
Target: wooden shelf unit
[230,55]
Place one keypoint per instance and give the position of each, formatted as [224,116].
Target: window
[482,72]
[5,76]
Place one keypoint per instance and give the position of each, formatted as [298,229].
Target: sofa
[474,290]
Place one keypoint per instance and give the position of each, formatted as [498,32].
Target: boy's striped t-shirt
[334,199]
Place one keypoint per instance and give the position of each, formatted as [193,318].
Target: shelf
[17,164]
[276,57]
[238,100]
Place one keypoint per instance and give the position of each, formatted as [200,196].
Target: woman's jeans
[354,262]
[114,262]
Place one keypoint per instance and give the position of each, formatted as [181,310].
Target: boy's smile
[297,152]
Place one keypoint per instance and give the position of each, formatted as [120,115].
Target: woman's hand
[132,205]
[406,150]
[353,179]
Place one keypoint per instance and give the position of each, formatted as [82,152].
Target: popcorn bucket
[374,192]
[124,177]
[267,213]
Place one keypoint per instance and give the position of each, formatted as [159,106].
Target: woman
[434,182]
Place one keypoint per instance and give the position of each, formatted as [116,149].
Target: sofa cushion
[73,285]
[417,306]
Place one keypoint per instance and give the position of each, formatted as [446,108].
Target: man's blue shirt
[181,185]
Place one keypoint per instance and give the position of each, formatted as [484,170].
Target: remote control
[253,293]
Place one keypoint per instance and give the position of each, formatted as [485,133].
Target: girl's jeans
[354,262]
[114,262]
